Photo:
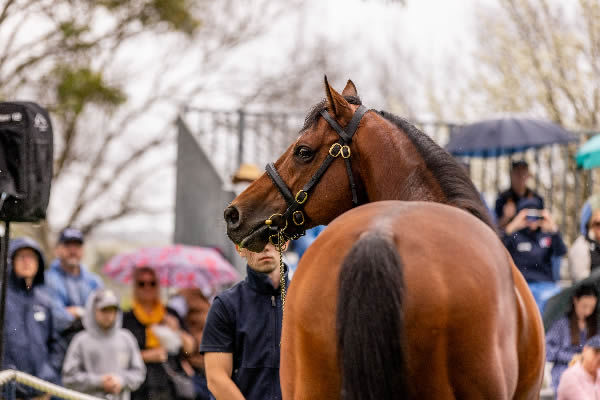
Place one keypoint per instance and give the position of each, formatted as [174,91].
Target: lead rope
[281,275]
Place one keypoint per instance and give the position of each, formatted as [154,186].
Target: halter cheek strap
[339,148]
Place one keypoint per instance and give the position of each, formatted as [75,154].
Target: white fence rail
[10,375]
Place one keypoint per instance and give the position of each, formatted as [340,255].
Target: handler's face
[266,261]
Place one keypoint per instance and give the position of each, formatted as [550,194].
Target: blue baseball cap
[71,235]
[529,202]
[593,342]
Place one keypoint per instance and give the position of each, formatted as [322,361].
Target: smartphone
[534,215]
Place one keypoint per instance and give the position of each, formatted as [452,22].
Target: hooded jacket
[96,352]
[580,253]
[31,344]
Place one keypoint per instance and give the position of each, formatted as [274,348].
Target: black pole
[5,240]
[241,127]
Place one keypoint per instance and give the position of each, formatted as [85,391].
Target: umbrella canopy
[559,304]
[176,266]
[588,155]
[497,137]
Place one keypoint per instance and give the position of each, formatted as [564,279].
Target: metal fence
[232,137]
[9,378]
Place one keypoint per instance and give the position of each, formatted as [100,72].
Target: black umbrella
[497,137]
[559,304]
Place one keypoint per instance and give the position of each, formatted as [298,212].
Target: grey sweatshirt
[96,352]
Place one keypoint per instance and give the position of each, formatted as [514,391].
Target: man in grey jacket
[104,360]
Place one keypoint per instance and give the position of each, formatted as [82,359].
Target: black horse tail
[370,321]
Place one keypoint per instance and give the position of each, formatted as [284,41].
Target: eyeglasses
[595,224]
[142,284]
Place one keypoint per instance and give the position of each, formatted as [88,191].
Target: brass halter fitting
[269,221]
[298,218]
[337,149]
[301,197]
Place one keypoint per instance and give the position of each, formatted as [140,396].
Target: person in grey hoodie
[104,360]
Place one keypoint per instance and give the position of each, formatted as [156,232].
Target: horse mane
[451,176]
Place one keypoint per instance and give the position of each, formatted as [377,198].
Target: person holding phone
[507,201]
[533,240]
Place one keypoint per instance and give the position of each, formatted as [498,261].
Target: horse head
[259,211]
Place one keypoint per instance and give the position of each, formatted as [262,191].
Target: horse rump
[370,321]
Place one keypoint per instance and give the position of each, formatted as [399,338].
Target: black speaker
[26,148]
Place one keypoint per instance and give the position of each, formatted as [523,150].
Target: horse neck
[393,169]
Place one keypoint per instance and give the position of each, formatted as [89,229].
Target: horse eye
[304,153]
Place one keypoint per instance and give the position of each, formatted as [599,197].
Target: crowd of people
[535,243]
[64,326]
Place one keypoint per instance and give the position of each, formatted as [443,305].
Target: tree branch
[4,12]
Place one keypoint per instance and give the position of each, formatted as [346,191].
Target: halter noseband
[296,203]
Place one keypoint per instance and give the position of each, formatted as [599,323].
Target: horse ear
[350,89]
[337,104]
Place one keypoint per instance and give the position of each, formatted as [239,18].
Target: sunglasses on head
[142,284]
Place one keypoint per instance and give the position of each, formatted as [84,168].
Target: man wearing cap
[68,282]
[506,204]
[104,360]
[580,381]
[533,240]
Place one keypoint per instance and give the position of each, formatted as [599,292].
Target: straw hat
[246,173]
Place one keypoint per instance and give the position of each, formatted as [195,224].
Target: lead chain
[281,269]
[281,275]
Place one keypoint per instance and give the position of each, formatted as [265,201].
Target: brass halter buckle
[345,151]
[298,218]
[301,197]
[337,149]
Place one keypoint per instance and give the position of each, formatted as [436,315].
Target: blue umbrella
[497,137]
[588,155]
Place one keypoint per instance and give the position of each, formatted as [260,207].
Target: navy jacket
[30,341]
[245,320]
[532,252]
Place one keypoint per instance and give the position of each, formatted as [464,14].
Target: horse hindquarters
[370,300]
[531,343]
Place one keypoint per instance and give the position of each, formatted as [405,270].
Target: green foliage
[176,13]
[77,87]
[72,36]
[70,29]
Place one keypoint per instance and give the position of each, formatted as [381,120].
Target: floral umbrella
[176,266]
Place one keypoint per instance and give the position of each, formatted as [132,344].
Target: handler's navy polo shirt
[532,252]
[245,320]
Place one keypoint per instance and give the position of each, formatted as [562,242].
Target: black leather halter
[296,203]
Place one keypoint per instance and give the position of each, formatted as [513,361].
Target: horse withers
[394,298]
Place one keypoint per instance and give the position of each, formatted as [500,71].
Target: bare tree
[113,75]
[538,56]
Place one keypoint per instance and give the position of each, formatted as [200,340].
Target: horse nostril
[232,217]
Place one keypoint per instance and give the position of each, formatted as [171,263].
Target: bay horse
[412,295]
